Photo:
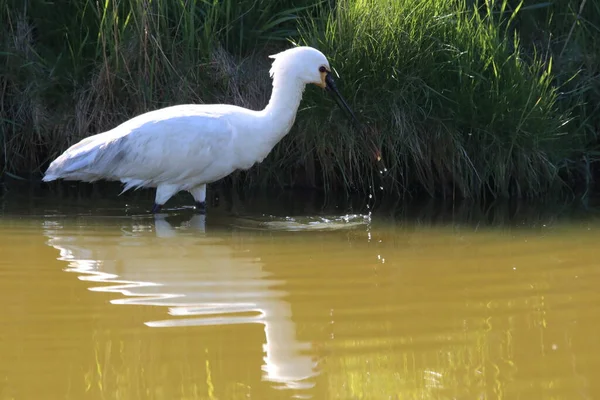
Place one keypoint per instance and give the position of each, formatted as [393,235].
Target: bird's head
[308,65]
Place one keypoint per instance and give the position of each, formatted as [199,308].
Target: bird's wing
[153,148]
[170,150]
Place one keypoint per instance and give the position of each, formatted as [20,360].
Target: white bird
[185,147]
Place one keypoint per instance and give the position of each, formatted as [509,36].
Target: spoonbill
[186,147]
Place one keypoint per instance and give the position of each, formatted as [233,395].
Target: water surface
[102,301]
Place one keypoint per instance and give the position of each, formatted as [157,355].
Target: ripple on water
[305,223]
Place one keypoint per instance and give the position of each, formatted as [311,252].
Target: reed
[465,98]
[75,68]
[448,95]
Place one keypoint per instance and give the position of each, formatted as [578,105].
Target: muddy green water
[102,301]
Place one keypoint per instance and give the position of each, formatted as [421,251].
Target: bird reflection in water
[200,278]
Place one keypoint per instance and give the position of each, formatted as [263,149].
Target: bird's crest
[284,58]
[277,63]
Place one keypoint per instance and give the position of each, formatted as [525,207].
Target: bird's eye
[322,69]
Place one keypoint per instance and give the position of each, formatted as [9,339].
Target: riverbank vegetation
[466,98]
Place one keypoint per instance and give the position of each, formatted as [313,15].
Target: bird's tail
[49,177]
[72,165]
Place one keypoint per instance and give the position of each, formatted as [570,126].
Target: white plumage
[185,147]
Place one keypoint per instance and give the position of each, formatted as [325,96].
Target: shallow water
[102,301]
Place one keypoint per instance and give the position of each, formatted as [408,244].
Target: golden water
[99,303]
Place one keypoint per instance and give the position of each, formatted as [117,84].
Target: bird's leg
[199,193]
[163,193]
[201,207]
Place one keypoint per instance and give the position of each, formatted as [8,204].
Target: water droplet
[370,196]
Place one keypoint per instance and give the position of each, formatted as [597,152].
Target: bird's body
[176,148]
[185,147]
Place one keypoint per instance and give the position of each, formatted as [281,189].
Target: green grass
[466,98]
[570,31]
[79,67]
[456,109]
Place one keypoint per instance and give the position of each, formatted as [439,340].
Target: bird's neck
[279,115]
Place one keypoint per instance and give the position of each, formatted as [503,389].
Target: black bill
[332,88]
